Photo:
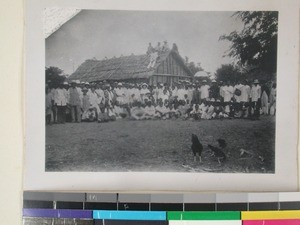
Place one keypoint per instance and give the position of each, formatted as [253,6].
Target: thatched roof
[121,68]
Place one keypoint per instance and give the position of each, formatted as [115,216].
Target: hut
[169,68]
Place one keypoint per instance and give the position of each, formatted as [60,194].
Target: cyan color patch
[129,215]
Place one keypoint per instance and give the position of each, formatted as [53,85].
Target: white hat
[77,81]
[65,83]
[204,81]
[86,83]
[213,81]
[119,84]
[256,81]
[212,100]
[144,84]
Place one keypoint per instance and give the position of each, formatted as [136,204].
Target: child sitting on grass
[89,115]
[219,110]
[120,111]
[210,113]
[138,112]
[173,114]
[162,110]
[150,111]
[196,113]
[183,110]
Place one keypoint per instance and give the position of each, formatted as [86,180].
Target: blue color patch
[129,215]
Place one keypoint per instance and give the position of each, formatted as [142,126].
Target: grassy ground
[160,146]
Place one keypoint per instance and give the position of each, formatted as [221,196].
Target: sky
[100,33]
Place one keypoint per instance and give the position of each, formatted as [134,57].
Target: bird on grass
[196,147]
[218,153]
[222,143]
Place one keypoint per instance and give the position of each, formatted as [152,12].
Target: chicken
[196,147]
[218,153]
[222,143]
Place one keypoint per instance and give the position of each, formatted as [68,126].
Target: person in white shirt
[210,113]
[127,92]
[144,91]
[162,111]
[79,87]
[189,89]
[150,112]
[120,94]
[164,96]
[245,92]
[160,90]
[61,100]
[204,90]
[245,97]
[53,88]
[100,94]
[183,110]
[75,103]
[181,92]
[255,91]
[93,97]
[173,112]
[137,112]
[196,112]
[228,94]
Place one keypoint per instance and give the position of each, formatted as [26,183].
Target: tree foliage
[194,67]
[54,75]
[256,44]
[228,72]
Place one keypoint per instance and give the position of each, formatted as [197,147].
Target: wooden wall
[171,66]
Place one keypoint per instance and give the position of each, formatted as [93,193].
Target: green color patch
[228,215]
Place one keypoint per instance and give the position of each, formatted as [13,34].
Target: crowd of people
[104,101]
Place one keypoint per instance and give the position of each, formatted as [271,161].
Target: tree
[256,44]
[194,68]
[54,75]
[228,72]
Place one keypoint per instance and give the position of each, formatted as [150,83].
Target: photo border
[286,172]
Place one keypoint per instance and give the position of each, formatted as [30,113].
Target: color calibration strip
[161,209]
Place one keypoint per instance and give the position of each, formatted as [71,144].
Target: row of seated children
[164,110]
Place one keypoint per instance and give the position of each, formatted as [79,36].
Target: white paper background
[285,178]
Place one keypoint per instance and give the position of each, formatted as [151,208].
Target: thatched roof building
[169,67]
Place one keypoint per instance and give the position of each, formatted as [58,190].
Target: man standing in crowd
[214,90]
[53,88]
[60,101]
[75,103]
[255,99]
[227,91]
[150,49]
[158,47]
[196,95]
[245,96]
[204,90]
[120,95]
[237,97]
[165,47]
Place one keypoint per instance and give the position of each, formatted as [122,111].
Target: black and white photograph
[161,91]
